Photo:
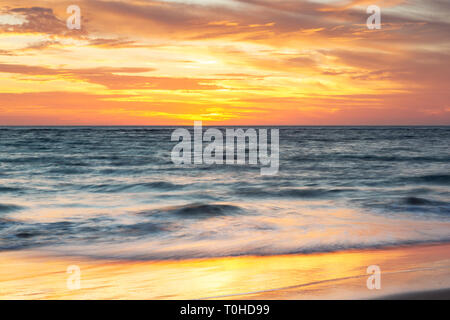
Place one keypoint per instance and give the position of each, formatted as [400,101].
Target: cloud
[300,61]
[38,20]
[112,78]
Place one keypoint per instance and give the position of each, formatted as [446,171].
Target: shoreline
[407,272]
[438,294]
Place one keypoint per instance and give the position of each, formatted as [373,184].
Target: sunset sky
[225,62]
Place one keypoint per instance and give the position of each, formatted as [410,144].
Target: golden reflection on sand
[29,275]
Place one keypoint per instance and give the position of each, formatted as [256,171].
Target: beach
[224,149]
[409,272]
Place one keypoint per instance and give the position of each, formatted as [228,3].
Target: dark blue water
[114,192]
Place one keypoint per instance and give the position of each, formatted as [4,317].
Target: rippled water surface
[115,193]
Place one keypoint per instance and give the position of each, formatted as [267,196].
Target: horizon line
[243,125]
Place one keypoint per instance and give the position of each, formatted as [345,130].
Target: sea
[114,193]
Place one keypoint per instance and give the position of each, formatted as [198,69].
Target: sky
[225,62]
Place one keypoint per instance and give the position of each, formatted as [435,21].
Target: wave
[439,179]
[197,210]
[9,189]
[366,157]
[415,201]
[415,205]
[197,252]
[68,170]
[15,234]
[6,208]
[292,192]
[135,187]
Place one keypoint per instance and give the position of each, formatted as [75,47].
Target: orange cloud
[242,62]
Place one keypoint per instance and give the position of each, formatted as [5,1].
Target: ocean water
[113,192]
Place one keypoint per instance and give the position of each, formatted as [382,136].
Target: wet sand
[413,272]
[440,294]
